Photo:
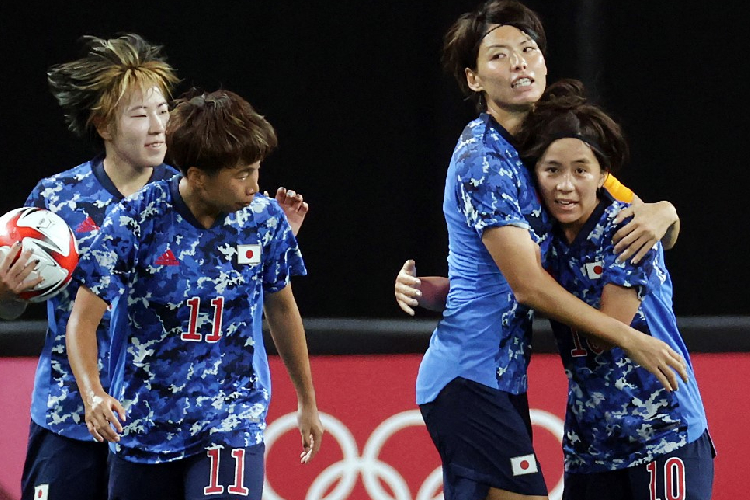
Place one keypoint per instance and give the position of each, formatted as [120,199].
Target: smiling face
[569,176]
[137,136]
[510,70]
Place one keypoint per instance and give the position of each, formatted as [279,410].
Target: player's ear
[103,128]
[473,81]
[195,176]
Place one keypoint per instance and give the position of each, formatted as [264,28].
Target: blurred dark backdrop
[367,121]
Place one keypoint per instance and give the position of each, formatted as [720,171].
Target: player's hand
[103,416]
[658,358]
[649,225]
[311,429]
[407,286]
[294,206]
[16,275]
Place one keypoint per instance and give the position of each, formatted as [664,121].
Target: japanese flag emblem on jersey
[248,254]
[525,464]
[594,270]
[41,492]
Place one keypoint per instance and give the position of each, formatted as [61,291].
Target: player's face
[510,70]
[138,136]
[232,189]
[569,175]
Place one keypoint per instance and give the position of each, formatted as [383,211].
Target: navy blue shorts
[213,474]
[685,474]
[60,468]
[484,439]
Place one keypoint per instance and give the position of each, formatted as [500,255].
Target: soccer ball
[51,242]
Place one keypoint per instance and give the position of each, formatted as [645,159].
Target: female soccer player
[188,266]
[625,437]
[115,96]
[471,385]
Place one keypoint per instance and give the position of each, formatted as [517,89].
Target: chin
[566,218]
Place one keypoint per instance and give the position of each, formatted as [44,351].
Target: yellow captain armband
[618,190]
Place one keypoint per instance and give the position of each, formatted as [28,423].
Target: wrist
[306,401]
[669,210]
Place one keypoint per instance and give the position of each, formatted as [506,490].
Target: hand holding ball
[51,242]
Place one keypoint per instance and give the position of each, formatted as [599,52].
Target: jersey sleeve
[625,274]
[618,190]
[488,192]
[283,258]
[107,267]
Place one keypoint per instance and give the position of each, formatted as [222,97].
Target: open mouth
[522,82]
[565,203]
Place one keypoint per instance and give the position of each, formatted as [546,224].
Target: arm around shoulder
[518,258]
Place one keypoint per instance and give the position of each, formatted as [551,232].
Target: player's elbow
[528,291]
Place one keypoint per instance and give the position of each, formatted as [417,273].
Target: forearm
[543,294]
[288,335]
[82,345]
[518,259]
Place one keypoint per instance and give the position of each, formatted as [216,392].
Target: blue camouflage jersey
[81,196]
[485,333]
[191,367]
[618,414]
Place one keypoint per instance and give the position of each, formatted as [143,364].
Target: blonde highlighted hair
[90,89]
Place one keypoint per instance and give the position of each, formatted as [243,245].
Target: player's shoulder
[149,200]
[264,214]
[607,210]
[485,147]
[265,206]
[164,172]
[73,175]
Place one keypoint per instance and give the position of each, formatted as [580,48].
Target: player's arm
[620,303]
[429,292]
[81,343]
[651,223]
[13,280]
[288,335]
[518,258]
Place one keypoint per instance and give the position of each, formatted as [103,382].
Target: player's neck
[204,213]
[126,177]
[510,118]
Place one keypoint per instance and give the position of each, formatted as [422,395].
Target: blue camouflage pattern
[82,196]
[618,414]
[485,333]
[192,370]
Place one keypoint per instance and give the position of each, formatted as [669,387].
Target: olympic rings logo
[374,472]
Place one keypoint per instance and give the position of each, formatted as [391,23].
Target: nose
[157,124]
[565,184]
[517,60]
[252,188]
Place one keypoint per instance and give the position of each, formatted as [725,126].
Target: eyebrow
[505,45]
[141,106]
[557,162]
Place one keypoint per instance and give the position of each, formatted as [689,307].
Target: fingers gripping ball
[51,242]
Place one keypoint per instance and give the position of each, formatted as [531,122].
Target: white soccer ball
[51,242]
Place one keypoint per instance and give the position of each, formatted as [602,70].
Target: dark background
[367,121]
